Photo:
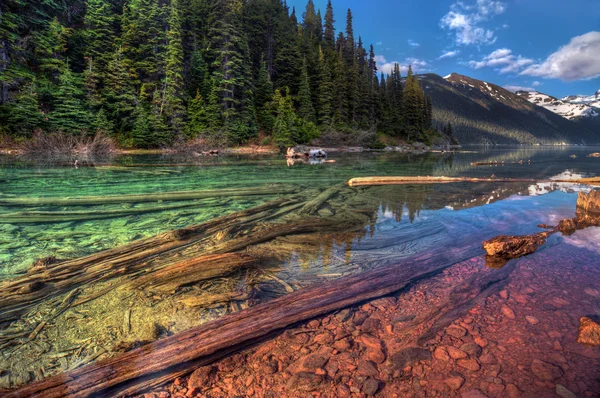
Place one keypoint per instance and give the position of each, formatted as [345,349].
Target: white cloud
[466,21]
[418,65]
[578,60]
[503,60]
[449,54]
[536,83]
[379,43]
[514,89]
[413,43]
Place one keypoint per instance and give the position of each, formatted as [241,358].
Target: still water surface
[399,222]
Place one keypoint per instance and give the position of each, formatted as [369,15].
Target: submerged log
[153,197]
[56,278]
[174,356]
[28,217]
[192,271]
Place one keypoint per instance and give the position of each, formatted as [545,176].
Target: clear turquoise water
[23,242]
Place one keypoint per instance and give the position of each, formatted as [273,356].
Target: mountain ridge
[485,113]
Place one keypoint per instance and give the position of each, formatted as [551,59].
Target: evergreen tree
[172,102]
[263,97]
[118,92]
[329,27]
[69,114]
[325,94]
[305,104]
[198,118]
[24,114]
[284,130]
[100,23]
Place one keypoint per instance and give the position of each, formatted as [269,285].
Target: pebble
[545,371]
[513,391]
[564,392]
[455,382]
[532,320]
[441,354]
[370,386]
[456,353]
[508,312]
[469,364]
[471,349]
[475,393]
[456,331]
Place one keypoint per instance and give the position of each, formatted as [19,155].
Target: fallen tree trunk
[168,358]
[153,197]
[364,181]
[192,271]
[29,217]
[51,279]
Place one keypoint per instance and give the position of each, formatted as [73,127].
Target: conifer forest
[150,72]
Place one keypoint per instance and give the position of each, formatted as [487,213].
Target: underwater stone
[589,332]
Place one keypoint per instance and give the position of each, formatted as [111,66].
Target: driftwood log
[165,359]
[362,181]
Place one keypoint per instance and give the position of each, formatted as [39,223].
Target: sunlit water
[406,220]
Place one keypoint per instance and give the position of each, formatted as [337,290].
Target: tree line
[148,72]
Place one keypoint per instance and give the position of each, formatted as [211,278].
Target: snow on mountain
[591,100]
[571,107]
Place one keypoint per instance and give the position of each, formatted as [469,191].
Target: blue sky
[552,46]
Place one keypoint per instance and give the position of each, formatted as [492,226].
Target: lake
[53,210]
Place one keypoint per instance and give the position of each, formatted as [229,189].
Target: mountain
[591,100]
[571,107]
[484,113]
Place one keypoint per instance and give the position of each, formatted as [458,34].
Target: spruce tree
[69,114]
[325,93]
[100,22]
[329,27]
[305,105]
[24,114]
[118,92]
[172,102]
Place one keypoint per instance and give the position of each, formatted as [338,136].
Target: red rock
[508,312]
[469,364]
[304,382]
[513,391]
[532,320]
[456,331]
[455,382]
[367,368]
[471,349]
[314,324]
[343,391]
[488,359]
[456,353]
[200,379]
[441,354]
[323,338]
[370,341]
[342,345]
[504,294]
[545,371]
[370,386]
[311,362]
[475,393]
[481,342]
[495,390]
[376,355]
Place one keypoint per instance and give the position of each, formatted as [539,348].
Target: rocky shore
[437,338]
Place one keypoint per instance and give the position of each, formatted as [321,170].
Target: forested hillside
[484,113]
[149,72]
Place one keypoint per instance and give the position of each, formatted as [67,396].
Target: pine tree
[100,23]
[198,119]
[325,94]
[284,132]
[199,76]
[172,102]
[118,92]
[69,114]
[329,27]
[263,97]
[305,105]
[50,46]
[24,114]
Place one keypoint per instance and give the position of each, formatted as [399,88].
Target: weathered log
[314,204]
[173,356]
[50,280]
[192,271]
[153,197]
[27,217]
[362,181]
